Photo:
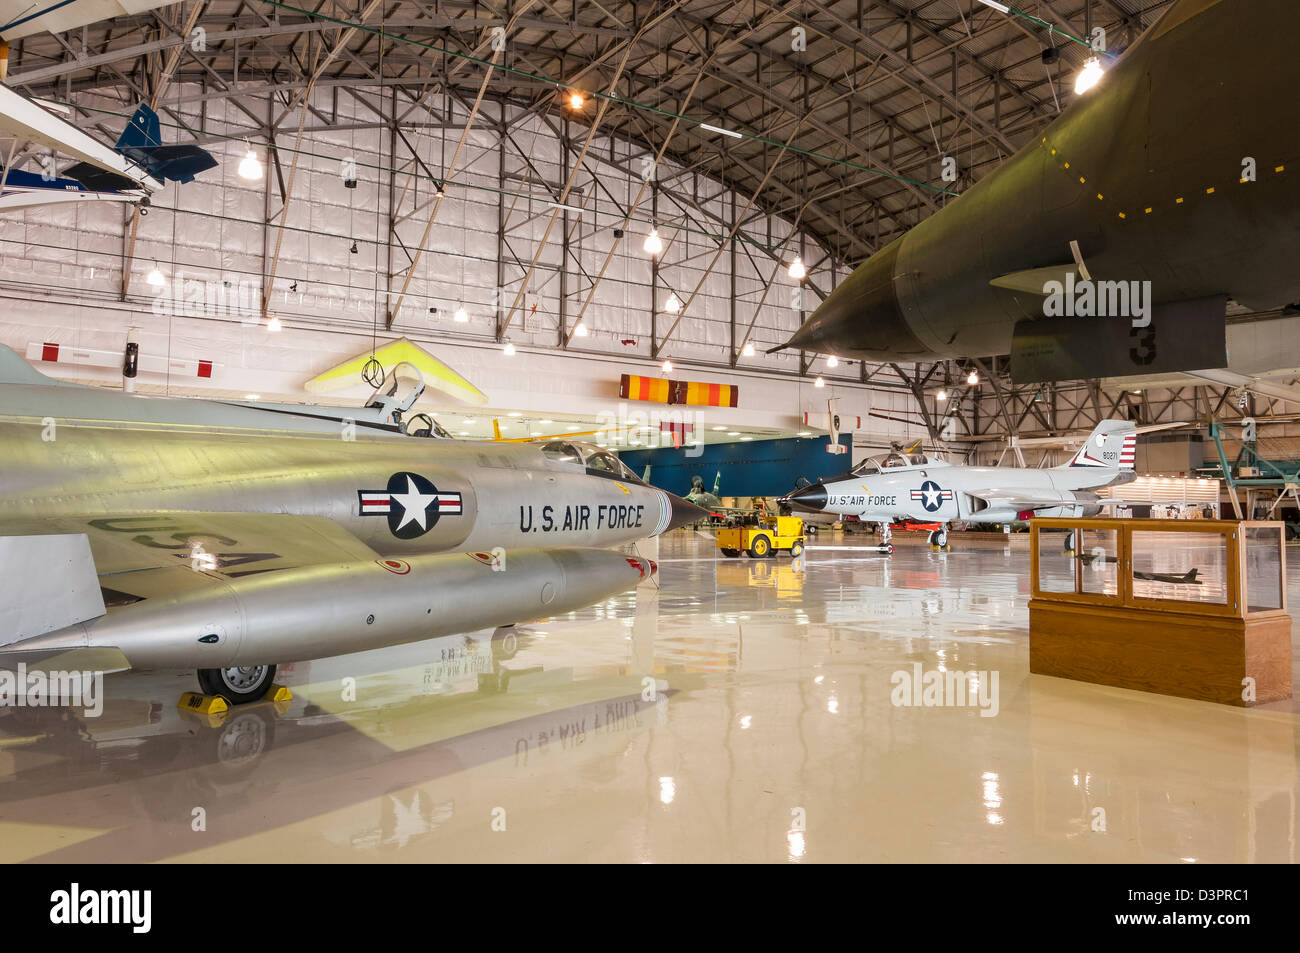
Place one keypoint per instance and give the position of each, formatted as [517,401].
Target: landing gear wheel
[731,553]
[939,540]
[760,547]
[810,530]
[889,548]
[238,684]
[796,549]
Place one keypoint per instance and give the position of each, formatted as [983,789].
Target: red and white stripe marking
[51,353]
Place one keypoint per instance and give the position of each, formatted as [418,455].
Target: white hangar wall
[61,268]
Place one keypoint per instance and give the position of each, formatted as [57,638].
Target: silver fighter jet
[229,537]
[914,487]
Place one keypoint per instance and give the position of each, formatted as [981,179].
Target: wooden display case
[1195,608]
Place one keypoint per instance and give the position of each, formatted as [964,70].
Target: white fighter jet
[914,487]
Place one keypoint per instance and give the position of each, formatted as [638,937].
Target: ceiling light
[733,433]
[508,350]
[536,433]
[719,129]
[804,433]
[653,244]
[972,378]
[273,323]
[580,330]
[249,167]
[797,271]
[464,433]
[545,422]
[572,427]
[469,420]
[819,383]
[565,208]
[719,428]
[747,350]
[832,361]
[461,316]
[1000,7]
[155,277]
[514,413]
[666,366]
[942,395]
[252,397]
[575,100]
[673,304]
[1089,76]
[746,438]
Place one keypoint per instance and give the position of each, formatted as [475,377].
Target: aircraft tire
[238,685]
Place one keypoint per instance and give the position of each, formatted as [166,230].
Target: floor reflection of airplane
[914,486]
[231,537]
[424,712]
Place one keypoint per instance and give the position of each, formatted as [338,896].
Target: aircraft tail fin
[1111,446]
[141,141]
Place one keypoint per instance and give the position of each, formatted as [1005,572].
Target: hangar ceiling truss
[842,116]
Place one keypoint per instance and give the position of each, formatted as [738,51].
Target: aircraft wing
[1015,497]
[48,580]
[24,19]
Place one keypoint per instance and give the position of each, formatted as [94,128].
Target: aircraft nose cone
[811,498]
[684,511]
[862,317]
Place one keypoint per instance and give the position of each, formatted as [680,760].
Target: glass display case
[1187,608]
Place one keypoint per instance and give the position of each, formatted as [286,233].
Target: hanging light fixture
[461,316]
[748,349]
[508,350]
[1089,76]
[673,304]
[666,366]
[941,396]
[576,100]
[580,329]
[273,323]
[797,271]
[250,168]
[653,245]
[972,378]
[832,361]
[819,383]
[155,277]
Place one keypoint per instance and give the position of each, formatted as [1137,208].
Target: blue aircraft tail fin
[141,141]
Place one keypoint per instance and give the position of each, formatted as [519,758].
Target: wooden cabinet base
[1191,656]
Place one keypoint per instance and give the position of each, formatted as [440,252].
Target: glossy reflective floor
[770,733]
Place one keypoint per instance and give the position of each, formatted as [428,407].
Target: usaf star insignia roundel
[931,496]
[412,504]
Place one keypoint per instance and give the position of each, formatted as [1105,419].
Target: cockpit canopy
[894,460]
[597,461]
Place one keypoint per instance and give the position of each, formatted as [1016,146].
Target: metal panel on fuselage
[398,495]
